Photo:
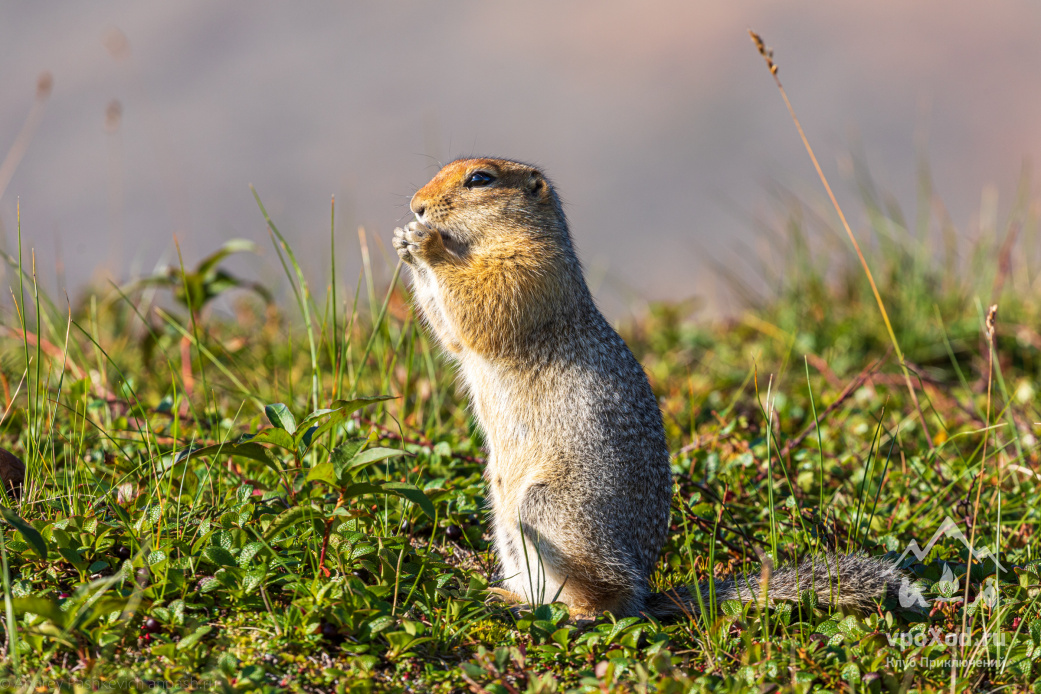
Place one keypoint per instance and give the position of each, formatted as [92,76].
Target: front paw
[401,245]
[412,240]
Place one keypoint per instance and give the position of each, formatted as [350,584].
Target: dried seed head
[113,115]
[44,83]
[767,53]
[992,316]
[116,43]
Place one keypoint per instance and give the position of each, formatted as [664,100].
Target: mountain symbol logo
[948,585]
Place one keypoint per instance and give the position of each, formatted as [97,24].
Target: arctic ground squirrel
[579,480]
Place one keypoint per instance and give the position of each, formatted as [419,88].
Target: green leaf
[364,459]
[222,538]
[93,611]
[380,623]
[345,462]
[309,421]
[280,416]
[249,449]
[561,636]
[274,436]
[361,551]
[48,609]
[828,628]
[207,264]
[306,439]
[72,556]
[248,552]
[208,583]
[343,454]
[783,612]
[31,535]
[619,627]
[193,638]
[850,627]
[401,489]
[61,538]
[413,494]
[324,472]
[343,407]
[219,556]
[731,608]
[289,518]
[252,580]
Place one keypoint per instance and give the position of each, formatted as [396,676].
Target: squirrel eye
[479,179]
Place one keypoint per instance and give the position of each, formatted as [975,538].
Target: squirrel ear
[535,183]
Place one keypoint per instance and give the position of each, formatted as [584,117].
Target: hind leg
[529,568]
[549,554]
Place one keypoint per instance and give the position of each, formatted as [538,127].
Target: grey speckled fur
[849,581]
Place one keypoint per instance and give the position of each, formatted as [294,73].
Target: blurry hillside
[658,124]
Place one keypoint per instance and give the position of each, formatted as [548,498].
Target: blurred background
[658,122]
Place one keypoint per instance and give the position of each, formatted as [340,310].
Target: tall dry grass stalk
[990,330]
[767,54]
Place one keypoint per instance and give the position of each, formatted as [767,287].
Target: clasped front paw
[409,241]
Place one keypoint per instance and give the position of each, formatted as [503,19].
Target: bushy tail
[850,581]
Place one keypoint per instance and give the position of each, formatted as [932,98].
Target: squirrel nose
[418,207]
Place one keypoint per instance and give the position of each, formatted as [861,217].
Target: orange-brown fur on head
[518,204]
[500,247]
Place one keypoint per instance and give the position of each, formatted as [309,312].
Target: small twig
[474,687]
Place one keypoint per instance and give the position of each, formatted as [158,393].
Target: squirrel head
[488,202]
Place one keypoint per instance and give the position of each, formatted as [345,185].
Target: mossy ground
[349,550]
